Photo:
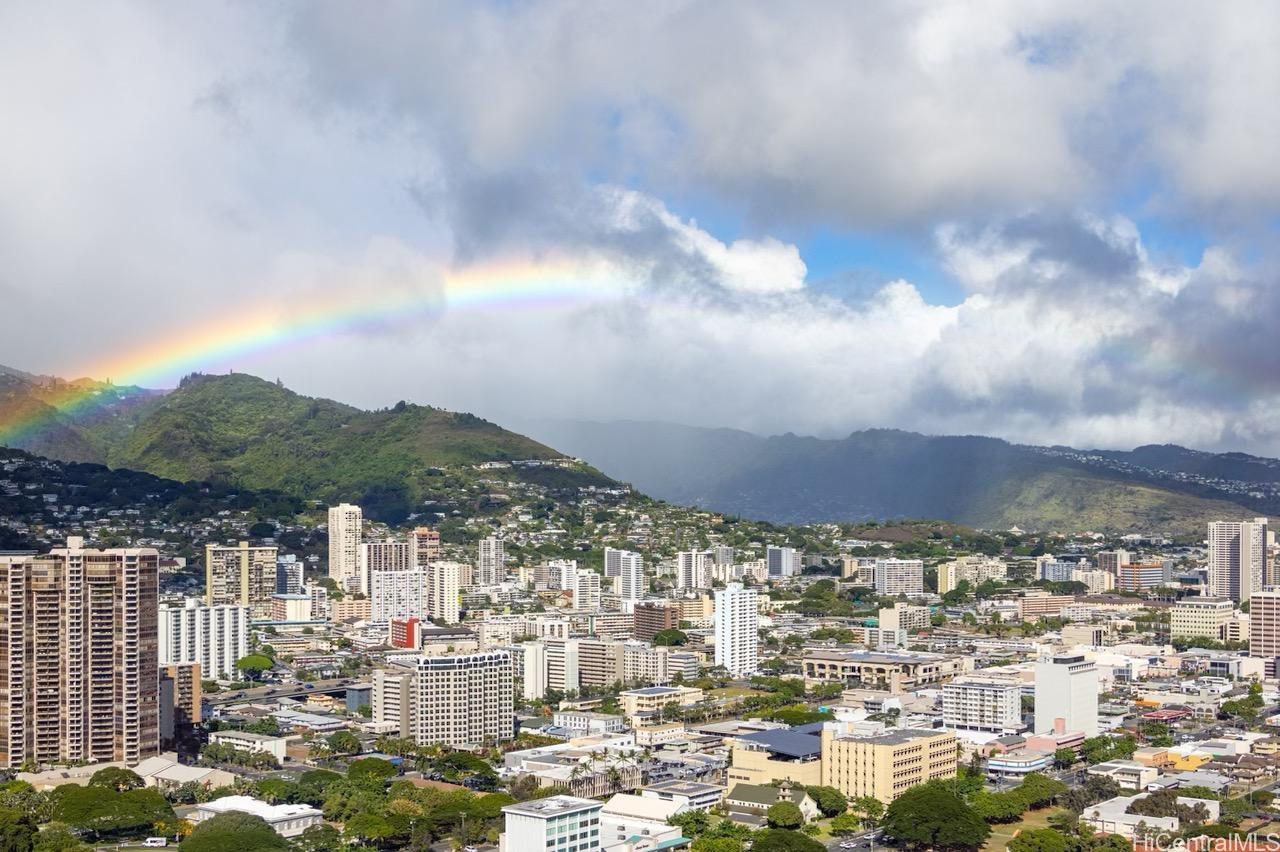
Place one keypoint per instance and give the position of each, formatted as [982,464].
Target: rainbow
[270,326]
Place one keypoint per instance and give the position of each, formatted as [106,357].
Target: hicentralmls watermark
[1251,842]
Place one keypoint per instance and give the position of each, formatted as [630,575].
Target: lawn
[1002,834]
[735,692]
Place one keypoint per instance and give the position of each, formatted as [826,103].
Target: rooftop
[248,805]
[552,806]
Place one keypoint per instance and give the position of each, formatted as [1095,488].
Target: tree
[17,831]
[670,636]
[253,665]
[343,742]
[369,828]
[716,844]
[234,830]
[374,769]
[58,837]
[1039,840]
[781,840]
[871,808]
[931,815]
[318,838]
[830,801]
[1064,757]
[116,778]
[784,814]
[691,823]
[845,824]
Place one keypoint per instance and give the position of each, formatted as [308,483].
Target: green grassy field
[1002,834]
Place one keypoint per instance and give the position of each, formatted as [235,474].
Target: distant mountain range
[881,473]
[245,431]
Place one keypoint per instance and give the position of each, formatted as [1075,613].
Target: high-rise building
[491,562]
[398,594]
[240,575]
[79,676]
[345,524]
[586,590]
[613,561]
[443,585]
[179,700]
[1058,571]
[736,624]
[215,637]
[1201,618]
[693,569]
[1096,581]
[884,766]
[782,561]
[900,577]
[457,699]
[1264,627]
[1111,560]
[651,618]
[289,575]
[631,580]
[385,555]
[1237,558]
[977,703]
[901,616]
[722,554]
[1149,574]
[426,545]
[1066,695]
[549,824]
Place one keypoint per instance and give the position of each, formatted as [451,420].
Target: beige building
[79,678]
[904,616]
[756,763]
[896,672]
[885,766]
[1264,627]
[240,575]
[649,701]
[459,699]
[346,523]
[351,609]
[1034,606]
[975,569]
[426,545]
[1096,581]
[1195,618]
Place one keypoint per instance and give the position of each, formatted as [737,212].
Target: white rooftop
[249,805]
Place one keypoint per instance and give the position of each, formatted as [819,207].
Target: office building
[630,583]
[443,585]
[1196,618]
[1066,695]
[600,662]
[1150,574]
[1237,558]
[782,562]
[886,765]
[240,575]
[345,525]
[975,703]
[426,545]
[398,594]
[1264,627]
[553,824]
[214,637]
[737,623]
[491,562]
[386,555]
[79,675]
[974,570]
[900,577]
[462,700]
[651,618]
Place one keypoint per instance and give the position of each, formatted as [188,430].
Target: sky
[1053,222]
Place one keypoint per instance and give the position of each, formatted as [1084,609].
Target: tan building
[240,575]
[351,609]
[652,618]
[1196,618]
[426,545]
[649,701]
[1264,627]
[460,699]
[79,676]
[885,766]
[179,698]
[757,760]
[1034,606]
[600,662]
[904,616]
[1084,634]
[974,569]
[897,672]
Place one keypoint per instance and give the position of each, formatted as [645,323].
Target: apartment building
[400,593]
[529,669]
[1096,580]
[782,562]
[737,622]
[975,703]
[179,699]
[630,582]
[444,582]
[1034,605]
[351,609]
[1194,618]
[386,555]
[1111,560]
[973,569]
[646,664]
[1057,571]
[652,618]
[1264,628]
[600,662]
[426,545]
[693,569]
[900,577]
[887,765]
[1237,558]
[491,559]
[459,699]
[586,590]
[345,529]
[903,616]
[240,575]
[1151,574]
[79,675]
[214,637]
[647,702]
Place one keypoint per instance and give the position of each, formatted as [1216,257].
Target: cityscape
[549,426]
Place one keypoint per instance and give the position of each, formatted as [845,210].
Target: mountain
[245,431]
[881,473]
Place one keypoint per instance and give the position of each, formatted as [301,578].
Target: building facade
[490,562]
[987,704]
[1066,695]
[457,699]
[345,524]
[215,637]
[1237,558]
[1194,618]
[240,575]
[900,577]
[737,623]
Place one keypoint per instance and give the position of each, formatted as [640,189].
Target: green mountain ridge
[245,431]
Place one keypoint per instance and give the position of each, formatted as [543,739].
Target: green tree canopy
[253,665]
[17,831]
[1040,840]
[830,801]
[371,769]
[116,778]
[782,840]
[931,815]
[235,831]
[784,814]
[670,636]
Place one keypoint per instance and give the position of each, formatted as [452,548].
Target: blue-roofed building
[790,754]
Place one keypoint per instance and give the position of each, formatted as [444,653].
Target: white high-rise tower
[737,622]
[1237,558]
[490,563]
[345,522]
[630,575]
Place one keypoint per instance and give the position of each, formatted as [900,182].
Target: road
[274,691]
